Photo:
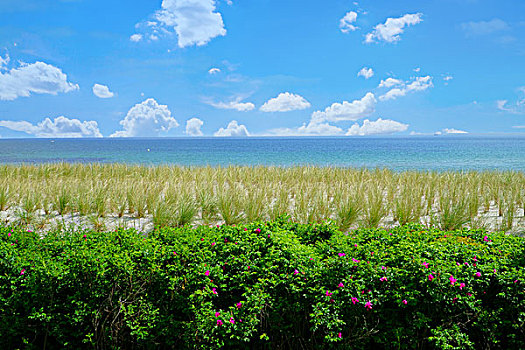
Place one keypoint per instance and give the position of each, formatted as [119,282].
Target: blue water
[397,153]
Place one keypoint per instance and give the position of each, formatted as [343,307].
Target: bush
[263,285]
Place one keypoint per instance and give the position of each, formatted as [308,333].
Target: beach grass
[177,195]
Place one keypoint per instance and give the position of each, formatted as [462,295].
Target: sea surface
[397,153]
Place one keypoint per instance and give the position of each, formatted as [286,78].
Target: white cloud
[146,119]
[389,82]
[136,37]
[454,131]
[345,23]
[38,78]
[233,130]
[484,27]
[194,21]
[323,129]
[518,127]
[193,127]
[58,127]
[448,78]
[378,127]
[417,70]
[235,104]
[214,71]
[4,61]
[354,110]
[285,102]
[102,91]
[366,72]
[392,28]
[417,84]
[517,107]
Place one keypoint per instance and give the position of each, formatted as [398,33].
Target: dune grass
[174,195]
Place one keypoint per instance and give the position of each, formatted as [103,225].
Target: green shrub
[278,284]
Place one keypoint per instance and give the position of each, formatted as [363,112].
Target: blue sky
[79,68]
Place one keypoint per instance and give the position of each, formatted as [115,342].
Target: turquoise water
[397,153]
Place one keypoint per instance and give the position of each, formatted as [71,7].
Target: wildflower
[457,263]
[355,260]
[355,300]
[207,273]
[383,267]
[328,294]
[515,281]
[452,279]
[219,323]
[368,305]
[232,321]
[341,254]
[341,285]
[405,302]
[245,229]
[217,314]
[469,294]
[268,236]
[486,238]
[214,290]
[239,305]
[355,245]
[466,263]
[383,279]
[461,285]
[339,335]
[257,230]
[425,264]
[430,277]
[494,270]
[213,243]
[454,300]
[475,259]
[23,271]
[478,274]
[84,236]
[226,240]
[295,272]
[9,234]
[202,239]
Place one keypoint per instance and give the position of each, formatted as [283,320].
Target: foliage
[278,284]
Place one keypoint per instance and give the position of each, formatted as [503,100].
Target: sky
[190,68]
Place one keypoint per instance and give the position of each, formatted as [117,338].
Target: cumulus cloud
[322,129]
[416,84]
[454,131]
[4,61]
[58,127]
[517,107]
[390,30]
[193,127]
[389,82]
[285,102]
[378,127]
[354,110]
[235,104]
[146,119]
[484,27]
[214,71]
[346,23]
[196,22]
[233,130]
[38,78]
[136,38]
[366,72]
[102,91]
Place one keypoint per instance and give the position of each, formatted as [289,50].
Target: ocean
[435,153]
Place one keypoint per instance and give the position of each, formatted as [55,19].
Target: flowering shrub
[262,285]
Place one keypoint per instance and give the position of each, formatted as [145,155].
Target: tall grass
[173,195]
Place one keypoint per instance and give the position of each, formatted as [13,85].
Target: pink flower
[214,290]
[515,281]
[9,234]
[295,272]
[457,263]
[478,274]
[425,264]
[461,285]
[217,314]
[355,245]
[213,243]
[355,260]
[494,270]
[405,302]
[469,294]
[383,267]
[430,277]
[368,305]
[245,229]
[239,305]
[355,300]
[257,230]
[339,335]
[328,294]
[202,239]
[466,263]
[232,321]
[341,285]
[23,271]
[219,323]
[207,273]
[341,254]
[452,279]
[383,279]
[84,236]
[486,238]
[475,259]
